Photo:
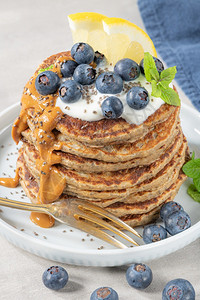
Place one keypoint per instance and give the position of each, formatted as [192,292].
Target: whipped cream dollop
[88,107]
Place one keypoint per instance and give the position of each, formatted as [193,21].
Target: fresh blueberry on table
[98,57]
[70,91]
[112,107]
[154,233]
[127,68]
[139,276]
[55,277]
[84,74]
[169,208]
[109,83]
[178,289]
[104,293]
[47,83]
[137,97]
[159,65]
[68,67]
[82,53]
[177,222]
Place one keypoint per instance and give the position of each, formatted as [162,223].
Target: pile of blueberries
[70,91]
[175,221]
[139,275]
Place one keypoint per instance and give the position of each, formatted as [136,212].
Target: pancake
[112,180]
[166,174]
[132,197]
[107,131]
[123,208]
[82,164]
[152,144]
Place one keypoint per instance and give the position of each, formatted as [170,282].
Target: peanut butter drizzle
[40,114]
[10,182]
[43,220]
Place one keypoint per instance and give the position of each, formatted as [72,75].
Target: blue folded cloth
[174,27]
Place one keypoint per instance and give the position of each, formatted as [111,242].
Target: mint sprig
[192,170]
[46,69]
[160,81]
[192,191]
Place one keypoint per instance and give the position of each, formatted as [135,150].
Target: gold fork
[82,215]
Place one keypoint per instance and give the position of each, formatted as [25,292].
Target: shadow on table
[71,287]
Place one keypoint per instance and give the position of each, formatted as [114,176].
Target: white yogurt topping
[88,107]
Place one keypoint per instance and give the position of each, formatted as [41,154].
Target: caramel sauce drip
[10,182]
[41,115]
[42,220]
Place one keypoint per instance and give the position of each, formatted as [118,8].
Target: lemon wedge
[116,38]
[88,28]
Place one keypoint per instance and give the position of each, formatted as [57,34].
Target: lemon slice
[116,38]
[88,28]
[134,41]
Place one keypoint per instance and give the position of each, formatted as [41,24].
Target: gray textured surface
[29,32]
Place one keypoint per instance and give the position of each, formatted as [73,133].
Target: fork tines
[97,216]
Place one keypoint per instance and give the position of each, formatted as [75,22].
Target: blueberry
[169,208]
[139,276]
[178,289]
[84,74]
[82,53]
[47,83]
[104,293]
[127,68]
[55,277]
[159,65]
[177,222]
[154,233]
[112,107]
[137,97]
[70,91]
[109,83]
[98,57]
[68,67]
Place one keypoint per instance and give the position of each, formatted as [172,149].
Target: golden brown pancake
[152,144]
[83,164]
[112,180]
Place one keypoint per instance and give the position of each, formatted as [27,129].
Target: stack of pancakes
[130,170]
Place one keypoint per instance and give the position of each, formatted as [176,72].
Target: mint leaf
[46,69]
[196,182]
[192,191]
[160,82]
[168,74]
[192,168]
[164,84]
[169,96]
[156,91]
[154,74]
[150,67]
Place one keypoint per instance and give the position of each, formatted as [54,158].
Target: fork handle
[22,205]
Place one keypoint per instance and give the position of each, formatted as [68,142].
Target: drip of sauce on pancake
[44,115]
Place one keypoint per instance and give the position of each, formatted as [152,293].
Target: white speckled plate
[68,245]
